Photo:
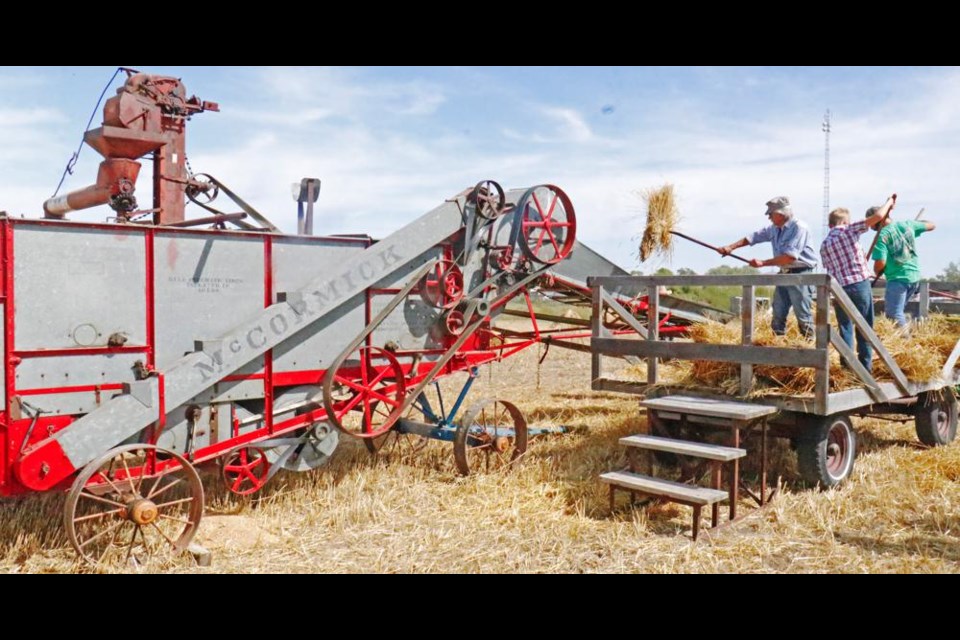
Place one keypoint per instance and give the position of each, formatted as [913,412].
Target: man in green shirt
[895,257]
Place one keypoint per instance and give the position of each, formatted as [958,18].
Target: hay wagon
[818,424]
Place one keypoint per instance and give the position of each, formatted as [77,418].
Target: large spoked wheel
[363,394]
[936,417]
[825,456]
[491,437]
[245,470]
[442,286]
[548,224]
[133,505]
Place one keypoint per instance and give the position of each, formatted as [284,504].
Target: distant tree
[663,271]
[950,274]
[725,270]
[636,272]
[684,271]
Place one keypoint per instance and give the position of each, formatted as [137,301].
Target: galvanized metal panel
[227,392]
[295,263]
[206,432]
[248,339]
[203,285]
[77,286]
[74,403]
[73,371]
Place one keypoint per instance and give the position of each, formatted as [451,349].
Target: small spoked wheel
[442,286]
[489,199]
[825,455]
[135,503]
[363,393]
[245,470]
[936,417]
[548,224]
[491,437]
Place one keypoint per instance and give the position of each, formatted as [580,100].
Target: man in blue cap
[792,253]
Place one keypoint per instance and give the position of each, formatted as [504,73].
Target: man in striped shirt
[843,259]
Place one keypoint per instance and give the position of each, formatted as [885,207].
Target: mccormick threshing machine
[136,349]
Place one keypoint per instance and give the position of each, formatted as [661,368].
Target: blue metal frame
[445,427]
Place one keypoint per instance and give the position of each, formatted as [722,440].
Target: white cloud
[388,151]
[28,116]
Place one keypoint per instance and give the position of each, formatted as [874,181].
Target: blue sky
[390,144]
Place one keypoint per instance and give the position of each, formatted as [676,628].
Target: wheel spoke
[173,545]
[173,502]
[101,514]
[175,519]
[156,492]
[133,539]
[91,496]
[110,482]
[126,469]
[103,533]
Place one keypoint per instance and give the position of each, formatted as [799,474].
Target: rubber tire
[936,418]
[813,451]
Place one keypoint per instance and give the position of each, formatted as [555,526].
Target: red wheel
[548,224]
[245,470]
[454,322]
[363,393]
[442,287]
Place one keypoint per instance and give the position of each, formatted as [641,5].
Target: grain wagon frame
[818,425]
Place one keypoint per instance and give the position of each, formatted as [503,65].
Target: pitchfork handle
[708,246]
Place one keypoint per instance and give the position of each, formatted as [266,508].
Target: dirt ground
[899,512]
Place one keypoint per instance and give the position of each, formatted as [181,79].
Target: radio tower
[826,173]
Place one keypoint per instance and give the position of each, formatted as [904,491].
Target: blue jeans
[801,299]
[862,297]
[895,299]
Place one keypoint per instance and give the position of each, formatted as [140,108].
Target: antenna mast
[826,172]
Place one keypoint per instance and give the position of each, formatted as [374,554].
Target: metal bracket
[142,390]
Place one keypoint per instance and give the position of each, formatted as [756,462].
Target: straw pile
[662,215]
[920,355]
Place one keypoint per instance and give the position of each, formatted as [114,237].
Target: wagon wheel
[825,455]
[492,436]
[548,224]
[245,470]
[442,286]
[489,199]
[429,408]
[134,503]
[364,392]
[936,417]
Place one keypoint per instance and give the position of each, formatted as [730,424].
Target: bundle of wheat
[662,215]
